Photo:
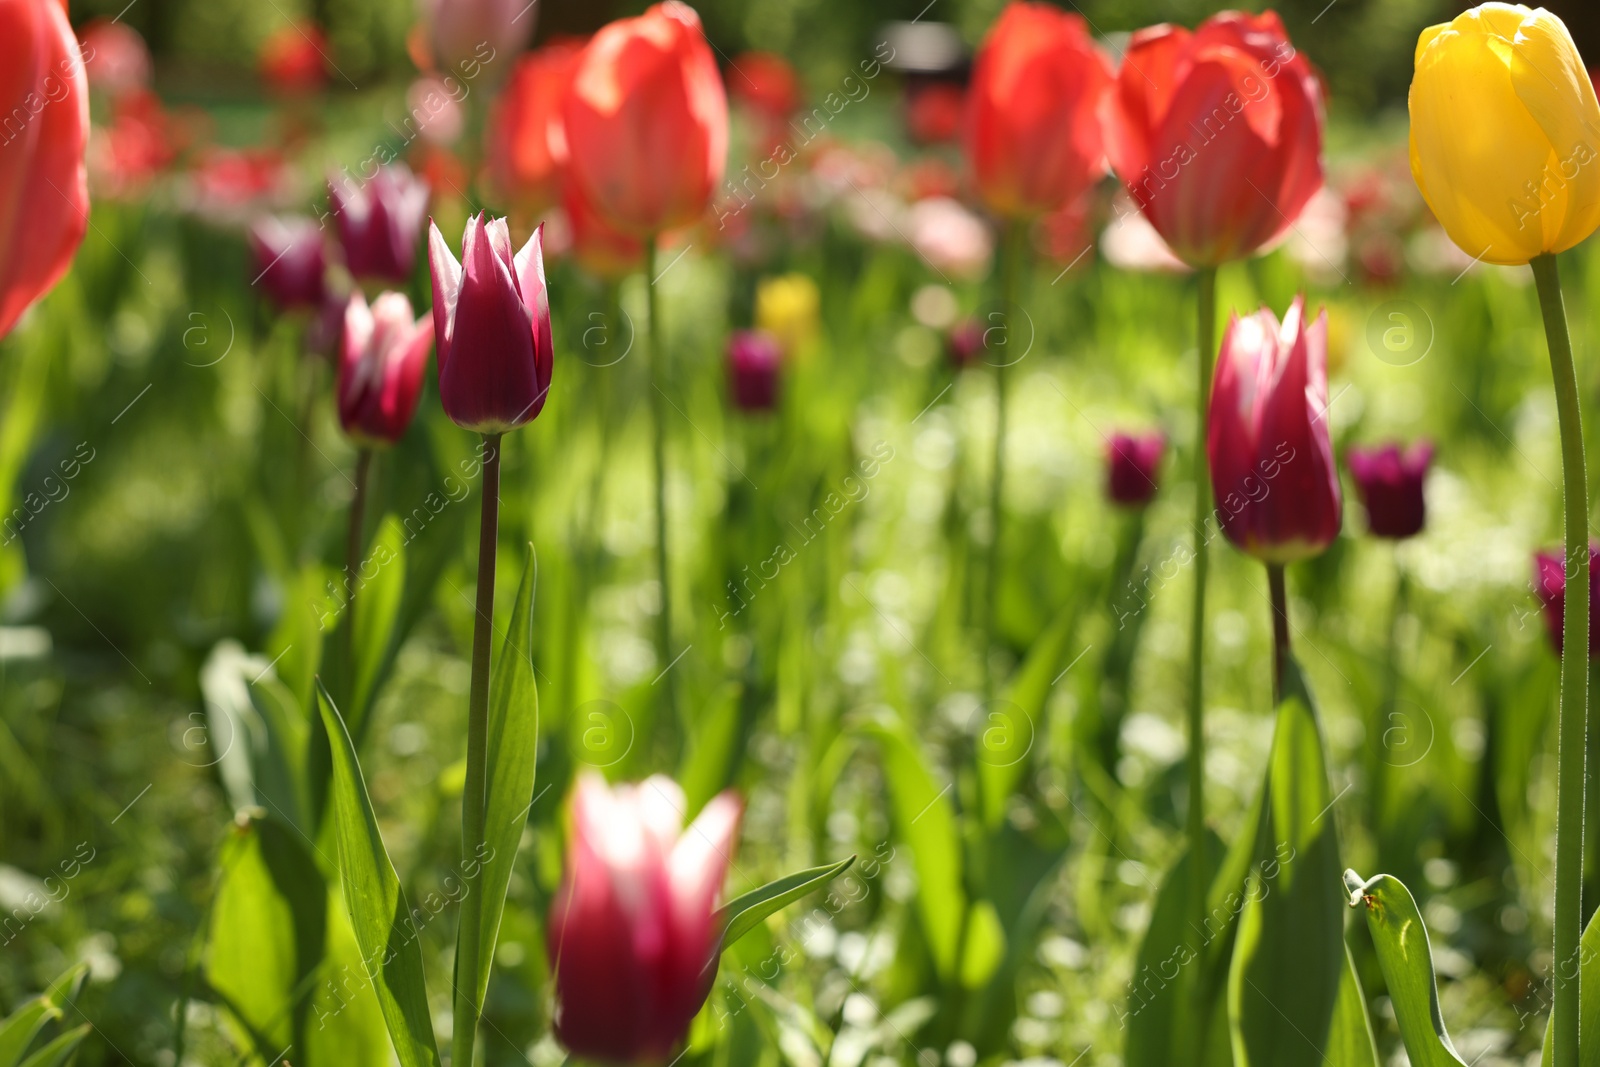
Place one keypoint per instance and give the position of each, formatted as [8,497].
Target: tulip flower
[116,58]
[527,145]
[1033,136]
[1132,461]
[934,109]
[1389,481]
[491,319]
[646,120]
[383,355]
[788,307]
[463,36]
[289,260]
[294,59]
[966,341]
[1276,485]
[754,362]
[380,222]
[766,84]
[1523,177]
[1216,134]
[601,249]
[1550,585]
[633,939]
[44,182]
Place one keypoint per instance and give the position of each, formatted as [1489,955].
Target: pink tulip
[1389,480]
[115,57]
[1132,463]
[755,361]
[383,355]
[380,222]
[289,260]
[465,36]
[1276,485]
[633,939]
[491,318]
[44,183]
[1550,584]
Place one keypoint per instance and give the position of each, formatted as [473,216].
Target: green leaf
[59,1051]
[1014,726]
[715,749]
[1350,1040]
[926,821]
[268,926]
[1289,957]
[1589,995]
[745,912]
[1401,940]
[344,1023]
[382,581]
[392,958]
[21,1026]
[513,741]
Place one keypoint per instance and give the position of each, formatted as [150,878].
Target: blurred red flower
[293,58]
[526,144]
[115,57]
[933,111]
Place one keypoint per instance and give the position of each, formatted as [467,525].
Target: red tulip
[1389,481]
[633,939]
[294,59]
[383,355]
[600,248]
[647,121]
[44,184]
[1217,134]
[527,147]
[491,319]
[1550,584]
[380,222]
[1033,136]
[934,110]
[289,260]
[755,360]
[766,84]
[1272,464]
[1132,461]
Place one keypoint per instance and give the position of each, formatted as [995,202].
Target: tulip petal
[1559,95]
[446,274]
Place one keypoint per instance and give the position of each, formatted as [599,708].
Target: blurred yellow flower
[787,307]
[1505,133]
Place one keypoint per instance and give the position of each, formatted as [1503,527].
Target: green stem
[1280,627]
[1574,672]
[1206,354]
[1377,754]
[467,1007]
[658,374]
[1013,250]
[352,570]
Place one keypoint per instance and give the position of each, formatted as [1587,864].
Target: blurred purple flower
[289,260]
[1389,481]
[380,222]
[755,360]
[1132,463]
[1550,584]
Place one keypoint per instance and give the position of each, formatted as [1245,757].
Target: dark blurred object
[1389,480]
[754,362]
[1132,462]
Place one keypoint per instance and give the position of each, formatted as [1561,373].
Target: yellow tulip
[1505,133]
[787,307]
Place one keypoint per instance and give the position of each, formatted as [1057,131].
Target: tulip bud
[754,362]
[382,358]
[788,307]
[646,120]
[463,36]
[1523,178]
[380,222]
[44,183]
[1389,481]
[633,939]
[491,319]
[293,59]
[1272,468]
[1033,130]
[1217,134]
[1132,461]
[1550,585]
[290,261]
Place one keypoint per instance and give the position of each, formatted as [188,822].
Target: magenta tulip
[1273,474]
[633,938]
[1550,584]
[380,221]
[1389,480]
[1132,461]
[290,260]
[755,360]
[491,319]
[383,356]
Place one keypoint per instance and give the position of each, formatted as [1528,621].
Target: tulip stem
[352,569]
[658,365]
[1280,627]
[1574,673]
[1206,355]
[472,794]
[1013,249]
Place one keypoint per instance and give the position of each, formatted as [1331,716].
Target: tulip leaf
[747,911]
[1013,726]
[513,742]
[1401,939]
[379,914]
[59,1051]
[18,1029]
[380,581]
[1288,961]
